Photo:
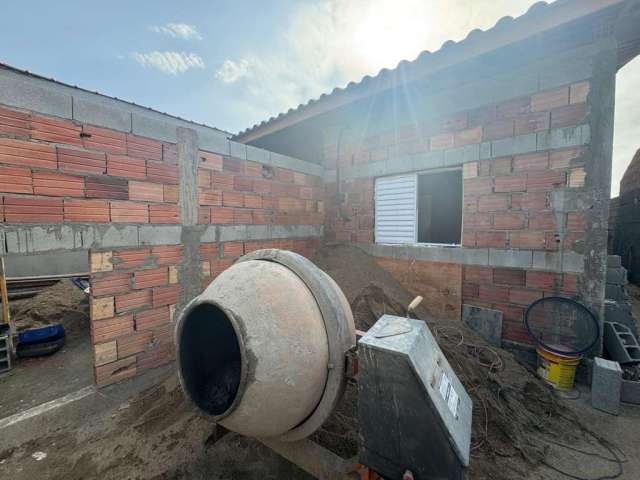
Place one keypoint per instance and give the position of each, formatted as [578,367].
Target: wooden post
[6,315]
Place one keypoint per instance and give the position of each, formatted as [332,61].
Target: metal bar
[48,277]
[24,294]
[6,314]
[314,459]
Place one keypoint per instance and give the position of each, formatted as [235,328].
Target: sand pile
[62,303]
[515,415]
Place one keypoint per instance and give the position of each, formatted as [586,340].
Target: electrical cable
[602,442]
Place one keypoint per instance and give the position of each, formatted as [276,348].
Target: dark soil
[62,303]
[515,415]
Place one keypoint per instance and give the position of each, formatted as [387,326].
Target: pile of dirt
[515,415]
[62,302]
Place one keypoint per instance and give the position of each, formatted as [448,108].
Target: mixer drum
[262,349]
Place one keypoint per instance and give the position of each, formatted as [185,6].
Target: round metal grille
[562,325]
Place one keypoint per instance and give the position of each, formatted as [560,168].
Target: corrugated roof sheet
[566,10]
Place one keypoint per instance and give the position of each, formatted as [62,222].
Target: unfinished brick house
[478,175]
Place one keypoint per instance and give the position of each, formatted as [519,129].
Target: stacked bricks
[557,108]
[352,218]
[508,198]
[617,280]
[54,171]
[437,282]
[234,191]
[511,291]
[134,293]
[619,309]
[216,257]
[508,202]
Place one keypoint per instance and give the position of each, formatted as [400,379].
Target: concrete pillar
[600,103]
[190,270]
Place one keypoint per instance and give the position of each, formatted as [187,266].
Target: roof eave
[477,43]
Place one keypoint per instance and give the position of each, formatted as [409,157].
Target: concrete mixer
[266,350]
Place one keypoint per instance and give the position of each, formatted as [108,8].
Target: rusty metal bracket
[351,364]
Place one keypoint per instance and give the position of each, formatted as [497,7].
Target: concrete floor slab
[35,381]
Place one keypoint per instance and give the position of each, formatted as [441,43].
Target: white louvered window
[419,208]
[395,214]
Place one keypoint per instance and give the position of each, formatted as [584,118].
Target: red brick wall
[245,192]
[58,171]
[507,201]
[353,219]
[54,171]
[216,257]
[437,282]
[134,293]
[511,290]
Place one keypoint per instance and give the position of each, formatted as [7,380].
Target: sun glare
[387,33]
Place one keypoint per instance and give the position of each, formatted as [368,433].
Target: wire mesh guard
[562,325]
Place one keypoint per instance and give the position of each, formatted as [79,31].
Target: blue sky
[91,44]
[231,64]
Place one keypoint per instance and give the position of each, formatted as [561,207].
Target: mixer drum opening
[210,358]
[262,349]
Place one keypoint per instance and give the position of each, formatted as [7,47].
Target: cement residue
[516,417]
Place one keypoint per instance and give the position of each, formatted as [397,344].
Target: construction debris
[516,418]
[606,385]
[621,343]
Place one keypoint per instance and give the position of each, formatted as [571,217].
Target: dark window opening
[440,207]
[210,359]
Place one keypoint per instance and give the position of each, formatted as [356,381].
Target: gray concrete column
[190,269]
[600,104]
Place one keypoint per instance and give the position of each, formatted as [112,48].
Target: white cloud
[178,30]
[331,42]
[231,71]
[169,62]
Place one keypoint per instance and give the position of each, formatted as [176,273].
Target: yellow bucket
[559,371]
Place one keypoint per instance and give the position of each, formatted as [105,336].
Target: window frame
[416,174]
[415,205]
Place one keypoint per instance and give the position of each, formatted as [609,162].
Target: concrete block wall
[624,220]
[158,214]
[524,163]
